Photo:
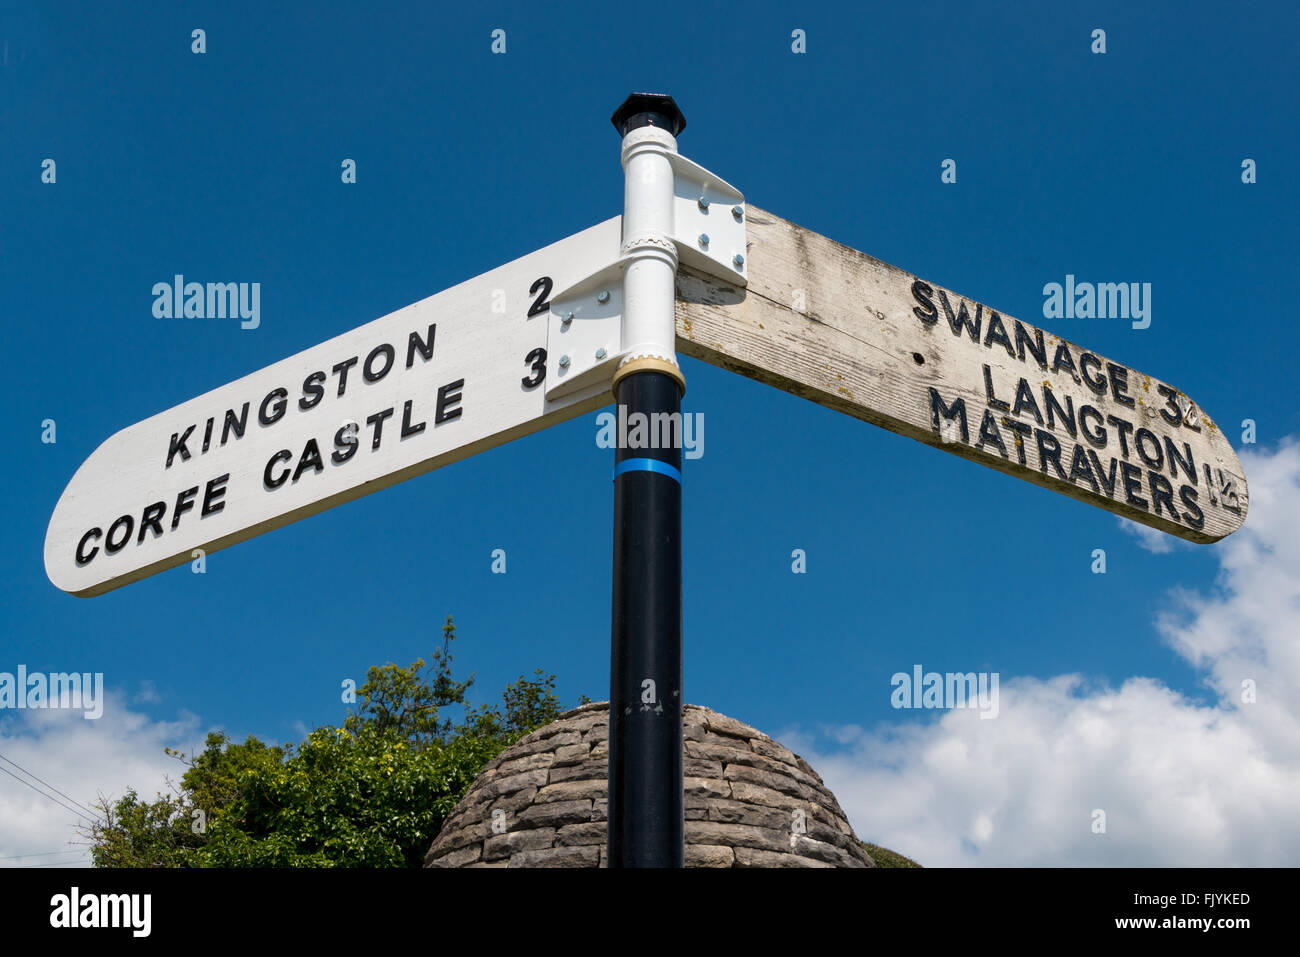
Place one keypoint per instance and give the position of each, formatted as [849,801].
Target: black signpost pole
[645,745]
[646,824]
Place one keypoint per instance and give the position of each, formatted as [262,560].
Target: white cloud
[1149,539]
[83,759]
[1181,782]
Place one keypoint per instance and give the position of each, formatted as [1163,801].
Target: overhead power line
[47,796]
[57,863]
[50,786]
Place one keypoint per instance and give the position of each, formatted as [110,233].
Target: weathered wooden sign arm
[835,326]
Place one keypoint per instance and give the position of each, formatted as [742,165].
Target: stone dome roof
[749,801]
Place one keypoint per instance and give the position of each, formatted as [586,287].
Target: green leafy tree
[370,793]
[406,702]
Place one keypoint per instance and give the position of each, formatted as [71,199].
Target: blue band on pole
[647,465]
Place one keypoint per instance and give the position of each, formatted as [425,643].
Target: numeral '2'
[542,303]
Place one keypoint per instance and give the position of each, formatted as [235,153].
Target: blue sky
[1117,167]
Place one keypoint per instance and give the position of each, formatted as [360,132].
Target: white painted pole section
[650,255]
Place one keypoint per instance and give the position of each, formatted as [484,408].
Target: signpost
[851,333]
[437,381]
[550,336]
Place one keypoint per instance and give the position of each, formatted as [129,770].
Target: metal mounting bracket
[708,222]
[584,332]
[585,335]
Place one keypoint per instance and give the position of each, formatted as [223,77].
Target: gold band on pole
[649,364]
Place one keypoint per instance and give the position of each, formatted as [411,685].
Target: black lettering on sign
[377,420]
[921,292]
[151,519]
[368,370]
[345,438]
[1162,491]
[1132,483]
[448,396]
[1098,384]
[178,445]
[1064,360]
[1080,469]
[279,396]
[1179,409]
[962,317]
[1025,399]
[284,455]
[82,557]
[538,359]
[1228,490]
[1054,411]
[1098,437]
[424,346]
[989,431]
[233,424]
[1155,459]
[1172,412]
[310,458]
[1036,346]
[542,303]
[342,371]
[125,522]
[185,500]
[407,428]
[215,490]
[1049,450]
[955,412]
[1022,431]
[993,401]
[1106,479]
[207,435]
[312,386]
[1188,495]
[1176,461]
[1118,383]
[996,333]
[1124,429]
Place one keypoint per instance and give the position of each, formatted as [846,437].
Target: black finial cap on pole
[648,109]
